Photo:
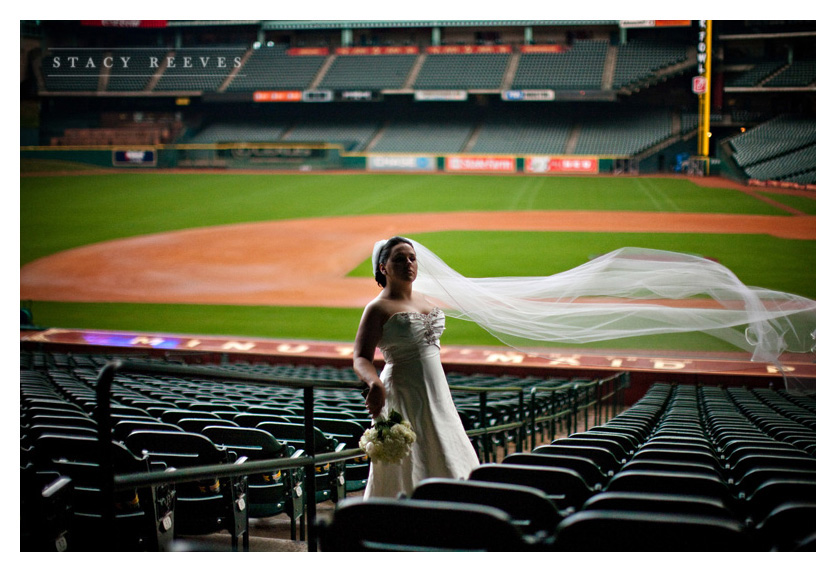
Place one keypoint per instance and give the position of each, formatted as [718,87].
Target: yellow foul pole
[704,70]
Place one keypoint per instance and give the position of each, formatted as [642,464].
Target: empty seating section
[423,137]
[784,166]
[623,133]
[685,468]
[524,136]
[462,71]
[783,148]
[198,69]
[797,74]
[132,70]
[580,67]
[352,135]
[639,60]
[239,131]
[368,72]
[756,75]
[271,68]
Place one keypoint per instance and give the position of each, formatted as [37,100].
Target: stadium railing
[587,395]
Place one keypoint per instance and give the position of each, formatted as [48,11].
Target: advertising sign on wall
[546,164]
[271,96]
[528,95]
[400,163]
[463,164]
[139,158]
[441,95]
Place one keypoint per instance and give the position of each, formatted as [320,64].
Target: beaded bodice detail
[410,335]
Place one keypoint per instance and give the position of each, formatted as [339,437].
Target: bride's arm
[368,335]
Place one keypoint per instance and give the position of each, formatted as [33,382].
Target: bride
[407,326]
[628,292]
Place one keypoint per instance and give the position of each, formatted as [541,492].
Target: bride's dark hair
[383,256]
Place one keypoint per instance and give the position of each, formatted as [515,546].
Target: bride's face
[402,264]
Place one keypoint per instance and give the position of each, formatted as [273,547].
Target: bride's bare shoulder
[377,310]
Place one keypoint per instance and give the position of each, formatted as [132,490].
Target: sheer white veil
[628,292]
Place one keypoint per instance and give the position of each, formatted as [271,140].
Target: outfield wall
[316,157]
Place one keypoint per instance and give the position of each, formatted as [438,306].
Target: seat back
[197,424]
[775,492]
[564,487]
[344,430]
[127,426]
[670,467]
[787,526]
[590,472]
[294,434]
[379,524]
[605,460]
[246,441]
[175,415]
[678,456]
[252,418]
[176,449]
[662,503]
[610,445]
[749,482]
[672,483]
[627,442]
[529,508]
[624,531]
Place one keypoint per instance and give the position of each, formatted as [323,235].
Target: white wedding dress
[417,388]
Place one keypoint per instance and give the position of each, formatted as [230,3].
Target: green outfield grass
[61,212]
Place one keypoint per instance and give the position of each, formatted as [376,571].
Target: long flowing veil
[628,292]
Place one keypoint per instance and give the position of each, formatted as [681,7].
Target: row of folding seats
[685,468]
[799,73]
[580,68]
[510,506]
[57,417]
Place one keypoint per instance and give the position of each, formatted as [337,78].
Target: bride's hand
[375,399]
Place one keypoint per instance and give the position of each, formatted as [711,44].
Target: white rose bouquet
[389,440]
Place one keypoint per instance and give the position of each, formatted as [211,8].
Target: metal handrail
[111,483]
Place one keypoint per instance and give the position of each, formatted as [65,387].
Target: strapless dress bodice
[412,335]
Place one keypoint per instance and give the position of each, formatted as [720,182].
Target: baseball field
[287,255]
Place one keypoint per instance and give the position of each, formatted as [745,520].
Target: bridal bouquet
[388,440]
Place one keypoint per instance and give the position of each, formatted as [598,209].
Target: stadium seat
[611,445]
[144,516]
[670,483]
[625,531]
[124,427]
[252,419]
[330,478]
[349,432]
[628,443]
[45,510]
[393,525]
[787,527]
[564,487]
[208,505]
[775,492]
[586,468]
[605,460]
[679,456]
[750,481]
[271,493]
[661,503]
[671,467]
[529,508]
[197,424]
